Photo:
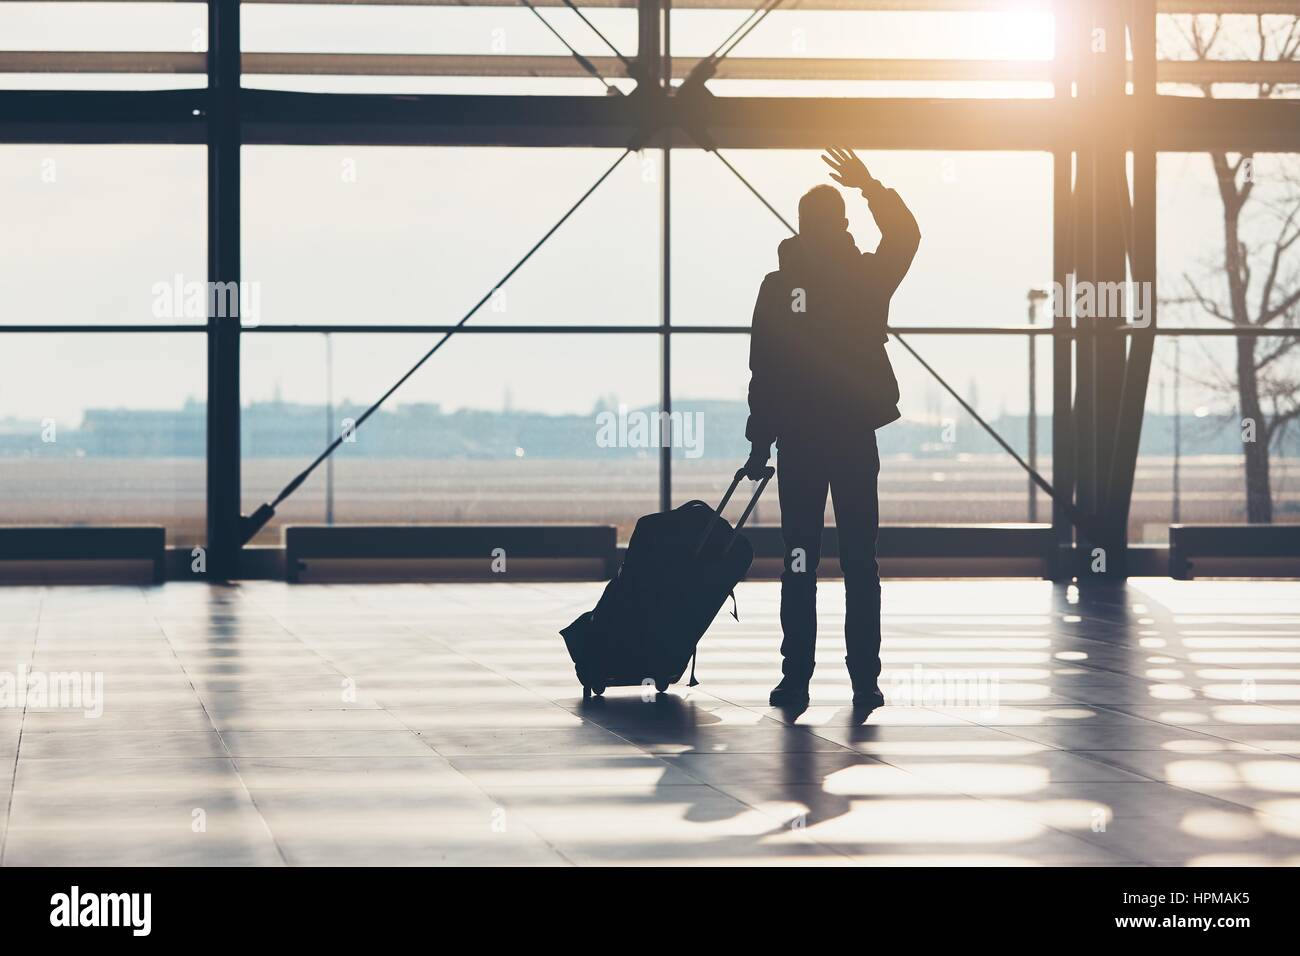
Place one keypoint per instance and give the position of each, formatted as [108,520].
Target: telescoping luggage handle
[768,473]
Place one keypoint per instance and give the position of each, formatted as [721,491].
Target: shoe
[868,700]
[865,703]
[789,695]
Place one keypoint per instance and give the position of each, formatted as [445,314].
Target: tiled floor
[426,724]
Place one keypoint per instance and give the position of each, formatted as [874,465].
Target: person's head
[821,213]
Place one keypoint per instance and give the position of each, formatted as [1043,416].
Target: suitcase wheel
[662,684]
[587,691]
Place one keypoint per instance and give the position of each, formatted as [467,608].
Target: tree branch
[1279,421]
[1281,245]
[1205,302]
[1282,308]
[1284,346]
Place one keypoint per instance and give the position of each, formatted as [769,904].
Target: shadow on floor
[670,722]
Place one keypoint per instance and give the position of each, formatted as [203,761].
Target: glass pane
[710,379]
[103,235]
[951,53]
[393,235]
[443,49]
[1240,56]
[937,465]
[170,40]
[1196,438]
[1202,460]
[495,428]
[104,429]
[985,218]
[1263,196]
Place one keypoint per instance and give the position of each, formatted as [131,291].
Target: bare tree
[1257,284]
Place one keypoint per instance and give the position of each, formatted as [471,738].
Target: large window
[1222,439]
[103,429]
[842,51]
[413,235]
[986,221]
[97,426]
[101,235]
[367,225]
[102,46]
[497,428]
[436,48]
[938,466]
[1193,466]
[985,218]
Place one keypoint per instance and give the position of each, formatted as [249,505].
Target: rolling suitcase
[680,568]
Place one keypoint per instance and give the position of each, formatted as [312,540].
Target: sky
[416,235]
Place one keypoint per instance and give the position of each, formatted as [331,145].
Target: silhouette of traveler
[821,385]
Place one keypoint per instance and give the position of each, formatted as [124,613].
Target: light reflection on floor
[427,724]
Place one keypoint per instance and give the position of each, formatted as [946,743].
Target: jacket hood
[796,254]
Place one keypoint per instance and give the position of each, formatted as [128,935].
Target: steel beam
[661,10]
[103,116]
[272,117]
[1279,7]
[1142,264]
[784,68]
[222,114]
[1110,211]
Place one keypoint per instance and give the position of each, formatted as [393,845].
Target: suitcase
[680,568]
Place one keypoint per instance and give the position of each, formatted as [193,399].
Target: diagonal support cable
[582,60]
[743,29]
[1084,523]
[731,44]
[255,522]
[750,186]
[705,68]
[627,64]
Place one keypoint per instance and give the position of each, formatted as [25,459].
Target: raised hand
[847,169]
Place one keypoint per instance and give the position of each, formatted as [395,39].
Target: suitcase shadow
[662,721]
[685,737]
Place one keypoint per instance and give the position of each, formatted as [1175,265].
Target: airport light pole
[329,428]
[1176,515]
[1035,297]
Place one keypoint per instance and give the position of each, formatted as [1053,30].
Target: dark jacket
[824,369]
